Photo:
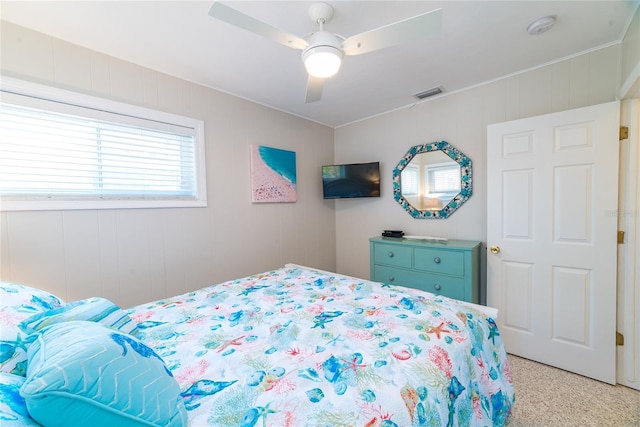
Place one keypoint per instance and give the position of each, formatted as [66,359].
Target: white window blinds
[443,178]
[409,181]
[68,155]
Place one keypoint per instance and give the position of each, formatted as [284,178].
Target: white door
[552,197]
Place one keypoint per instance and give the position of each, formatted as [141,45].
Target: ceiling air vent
[429,92]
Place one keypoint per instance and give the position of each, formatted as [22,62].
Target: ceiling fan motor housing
[324,48]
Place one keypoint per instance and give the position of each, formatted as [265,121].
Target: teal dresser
[450,268]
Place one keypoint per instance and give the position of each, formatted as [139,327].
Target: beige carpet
[550,397]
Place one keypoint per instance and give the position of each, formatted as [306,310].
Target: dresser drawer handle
[390,254]
[436,260]
[437,287]
[391,279]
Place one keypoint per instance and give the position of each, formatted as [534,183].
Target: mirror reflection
[432,180]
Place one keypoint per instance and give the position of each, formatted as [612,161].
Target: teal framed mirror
[433,180]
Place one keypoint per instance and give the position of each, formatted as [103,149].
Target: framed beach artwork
[273,175]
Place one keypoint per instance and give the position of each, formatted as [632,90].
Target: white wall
[460,119]
[134,256]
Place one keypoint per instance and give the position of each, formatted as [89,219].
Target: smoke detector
[541,25]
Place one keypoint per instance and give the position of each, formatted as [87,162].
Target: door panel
[517,287]
[572,204]
[571,290]
[551,179]
[518,201]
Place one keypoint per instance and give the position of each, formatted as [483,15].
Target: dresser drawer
[399,256]
[447,286]
[396,276]
[439,261]
[440,285]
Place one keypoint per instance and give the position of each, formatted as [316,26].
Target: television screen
[352,180]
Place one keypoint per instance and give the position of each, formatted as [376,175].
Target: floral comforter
[298,347]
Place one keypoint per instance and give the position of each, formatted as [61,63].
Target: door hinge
[619,338]
[624,132]
[620,237]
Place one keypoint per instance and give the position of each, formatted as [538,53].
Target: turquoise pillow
[86,374]
[94,309]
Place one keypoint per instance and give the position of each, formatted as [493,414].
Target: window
[409,181]
[443,178]
[62,150]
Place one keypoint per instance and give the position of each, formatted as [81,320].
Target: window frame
[11,86]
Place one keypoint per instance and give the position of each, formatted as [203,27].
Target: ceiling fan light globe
[322,61]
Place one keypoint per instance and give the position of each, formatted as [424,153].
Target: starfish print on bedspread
[438,330]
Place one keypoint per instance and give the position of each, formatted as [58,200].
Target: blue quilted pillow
[17,303]
[86,374]
[94,309]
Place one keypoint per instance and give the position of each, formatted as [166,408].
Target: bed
[290,347]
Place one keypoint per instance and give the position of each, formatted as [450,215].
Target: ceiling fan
[322,51]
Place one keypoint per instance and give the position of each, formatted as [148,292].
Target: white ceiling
[480,41]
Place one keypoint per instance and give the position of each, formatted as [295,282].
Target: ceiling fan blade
[231,16]
[404,31]
[314,89]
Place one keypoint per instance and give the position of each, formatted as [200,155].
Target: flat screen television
[351,180]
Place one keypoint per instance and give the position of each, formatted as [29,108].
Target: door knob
[495,249]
